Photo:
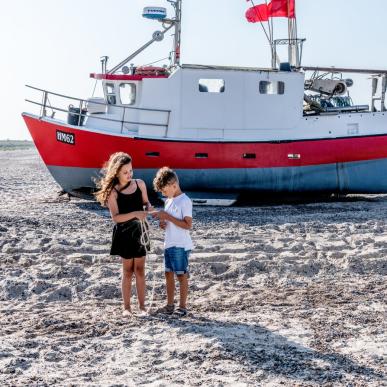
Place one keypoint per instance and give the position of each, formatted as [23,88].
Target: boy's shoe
[180,312]
[167,309]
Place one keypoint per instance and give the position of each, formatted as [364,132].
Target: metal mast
[293,42]
[177,36]
[294,57]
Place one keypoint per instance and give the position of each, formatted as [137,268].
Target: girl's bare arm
[144,193]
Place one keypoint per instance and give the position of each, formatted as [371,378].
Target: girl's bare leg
[139,272]
[170,280]
[126,285]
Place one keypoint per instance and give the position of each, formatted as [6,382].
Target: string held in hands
[145,241]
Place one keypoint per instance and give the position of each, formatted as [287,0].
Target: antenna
[160,14]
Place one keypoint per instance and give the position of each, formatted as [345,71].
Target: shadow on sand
[257,349]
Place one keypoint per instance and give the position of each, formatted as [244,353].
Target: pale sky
[54,45]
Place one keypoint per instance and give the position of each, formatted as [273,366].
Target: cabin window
[127,93]
[110,94]
[272,87]
[211,85]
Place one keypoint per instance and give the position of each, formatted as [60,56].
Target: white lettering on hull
[67,138]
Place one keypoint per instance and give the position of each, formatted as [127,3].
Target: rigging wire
[259,15]
[95,86]
[270,29]
[49,105]
[160,60]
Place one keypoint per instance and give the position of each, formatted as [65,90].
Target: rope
[145,241]
[145,238]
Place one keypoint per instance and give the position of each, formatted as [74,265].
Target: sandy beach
[291,294]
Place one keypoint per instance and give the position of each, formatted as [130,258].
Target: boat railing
[81,110]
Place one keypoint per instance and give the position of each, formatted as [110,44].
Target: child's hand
[162,215]
[140,215]
[163,224]
[153,213]
[148,207]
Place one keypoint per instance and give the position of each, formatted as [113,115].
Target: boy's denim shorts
[176,260]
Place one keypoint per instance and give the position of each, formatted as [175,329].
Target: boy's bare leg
[170,281]
[183,279]
[126,283]
[139,272]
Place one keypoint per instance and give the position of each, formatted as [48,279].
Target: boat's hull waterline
[343,165]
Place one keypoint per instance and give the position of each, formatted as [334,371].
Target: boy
[176,219]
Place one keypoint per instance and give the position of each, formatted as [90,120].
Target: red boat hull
[351,164]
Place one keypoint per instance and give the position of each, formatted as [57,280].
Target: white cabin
[199,102]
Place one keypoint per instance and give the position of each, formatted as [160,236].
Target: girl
[126,197]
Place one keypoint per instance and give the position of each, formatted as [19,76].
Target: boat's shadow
[357,209]
[262,199]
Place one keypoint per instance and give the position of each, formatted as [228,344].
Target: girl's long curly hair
[110,172]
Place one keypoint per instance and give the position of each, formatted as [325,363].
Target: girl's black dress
[126,240]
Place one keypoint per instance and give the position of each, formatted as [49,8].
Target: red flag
[276,8]
[257,14]
[282,8]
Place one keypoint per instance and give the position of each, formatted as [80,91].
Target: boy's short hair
[164,177]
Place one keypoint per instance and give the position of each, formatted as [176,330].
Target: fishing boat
[288,128]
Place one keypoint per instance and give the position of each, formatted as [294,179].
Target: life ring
[151,71]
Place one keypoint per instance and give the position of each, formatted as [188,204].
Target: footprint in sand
[105,291]
[337,254]
[253,266]
[71,272]
[44,241]
[14,364]
[218,268]
[60,294]
[309,269]
[106,272]
[52,357]
[83,259]
[39,287]
[14,290]
[212,248]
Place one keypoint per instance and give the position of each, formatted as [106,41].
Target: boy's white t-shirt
[179,207]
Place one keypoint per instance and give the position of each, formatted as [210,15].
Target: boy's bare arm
[185,223]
